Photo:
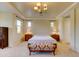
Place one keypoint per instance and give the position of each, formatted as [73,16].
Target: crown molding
[16,11]
[31,18]
[67,9]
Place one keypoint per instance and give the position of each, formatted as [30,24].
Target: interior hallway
[22,51]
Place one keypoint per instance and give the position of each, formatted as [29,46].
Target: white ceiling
[25,9]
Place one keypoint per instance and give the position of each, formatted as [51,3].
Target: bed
[42,44]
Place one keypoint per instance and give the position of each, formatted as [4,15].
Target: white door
[67,30]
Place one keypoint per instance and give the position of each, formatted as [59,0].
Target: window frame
[18,26]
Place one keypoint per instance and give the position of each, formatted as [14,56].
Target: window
[52,24]
[29,24]
[18,26]
[28,27]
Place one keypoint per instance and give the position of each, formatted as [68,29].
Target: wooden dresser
[28,36]
[3,37]
[56,37]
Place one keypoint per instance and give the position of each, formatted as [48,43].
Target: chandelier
[40,7]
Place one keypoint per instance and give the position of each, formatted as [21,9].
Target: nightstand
[28,36]
[56,37]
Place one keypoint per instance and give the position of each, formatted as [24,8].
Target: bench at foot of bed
[53,50]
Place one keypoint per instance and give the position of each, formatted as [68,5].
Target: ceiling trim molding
[67,9]
[17,12]
[31,18]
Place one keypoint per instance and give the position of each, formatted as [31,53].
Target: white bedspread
[42,39]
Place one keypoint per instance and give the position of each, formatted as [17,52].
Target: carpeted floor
[21,50]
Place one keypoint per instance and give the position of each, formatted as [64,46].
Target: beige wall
[40,27]
[9,20]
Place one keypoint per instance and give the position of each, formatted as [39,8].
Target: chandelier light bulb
[35,8]
[45,5]
[39,4]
